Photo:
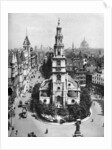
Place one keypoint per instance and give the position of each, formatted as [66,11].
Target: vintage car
[20,104]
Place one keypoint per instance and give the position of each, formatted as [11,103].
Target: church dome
[84,44]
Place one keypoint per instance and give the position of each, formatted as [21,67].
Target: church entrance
[59,101]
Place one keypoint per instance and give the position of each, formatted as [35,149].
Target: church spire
[26,42]
[58,47]
[26,32]
[58,22]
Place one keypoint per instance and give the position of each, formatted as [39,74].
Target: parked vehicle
[32,134]
[24,114]
[20,103]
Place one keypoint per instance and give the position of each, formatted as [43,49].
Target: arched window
[59,77]
[58,63]
[59,53]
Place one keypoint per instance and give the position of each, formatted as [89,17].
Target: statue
[78,122]
[77,132]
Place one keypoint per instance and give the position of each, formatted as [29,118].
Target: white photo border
[55,7]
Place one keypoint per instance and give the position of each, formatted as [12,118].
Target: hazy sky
[41,29]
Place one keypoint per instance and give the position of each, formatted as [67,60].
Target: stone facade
[20,66]
[98,78]
[64,90]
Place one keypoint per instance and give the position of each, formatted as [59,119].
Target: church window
[59,52]
[58,63]
[59,77]
[58,69]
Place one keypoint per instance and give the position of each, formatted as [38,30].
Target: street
[90,127]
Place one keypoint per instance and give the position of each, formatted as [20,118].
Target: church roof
[45,84]
[15,57]
[74,81]
[26,41]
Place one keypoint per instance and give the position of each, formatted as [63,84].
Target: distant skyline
[41,29]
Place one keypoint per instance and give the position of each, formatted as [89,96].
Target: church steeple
[58,22]
[26,42]
[26,31]
[59,68]
[58,47]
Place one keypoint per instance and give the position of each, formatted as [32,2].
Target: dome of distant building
[84,44]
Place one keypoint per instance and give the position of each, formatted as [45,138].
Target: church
[60,89]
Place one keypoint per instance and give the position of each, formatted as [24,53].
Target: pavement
[88,127]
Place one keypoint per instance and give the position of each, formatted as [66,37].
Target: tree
[85,102]
[35,97]
[51,110]
[62,112]
[99,61]
[47,68]
[74,111]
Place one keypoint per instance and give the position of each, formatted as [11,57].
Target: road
[30,124]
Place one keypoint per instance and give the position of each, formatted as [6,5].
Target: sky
[41,29]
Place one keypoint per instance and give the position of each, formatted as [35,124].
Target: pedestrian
[12,127]
[46,131]
[16,132]
[103,125]
[20,116]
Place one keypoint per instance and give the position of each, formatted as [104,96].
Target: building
[98,78]
[77,63]
[33,60]
[60,89]
[40,55]
[15,71]
[84,44]
[80,75]
[20,65]
[91,68]
[88,79]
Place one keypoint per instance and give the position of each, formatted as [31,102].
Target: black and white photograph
[55,75]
